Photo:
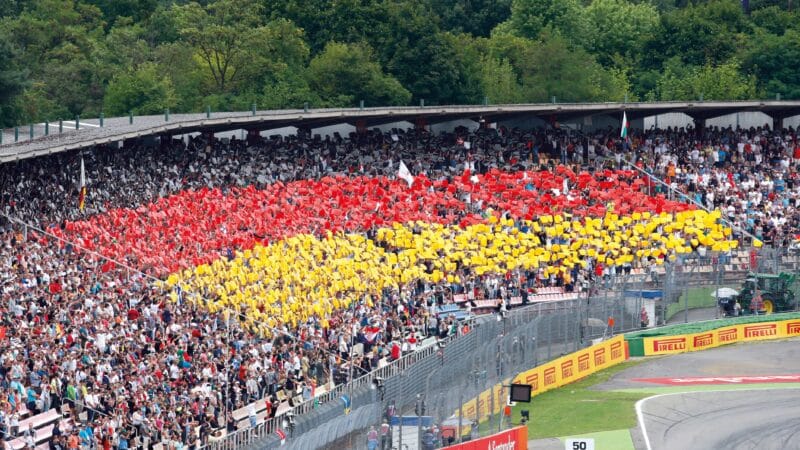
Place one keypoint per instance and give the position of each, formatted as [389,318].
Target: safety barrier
[744,332]
[554,374]
[513,439]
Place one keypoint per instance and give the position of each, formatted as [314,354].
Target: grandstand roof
[119,129]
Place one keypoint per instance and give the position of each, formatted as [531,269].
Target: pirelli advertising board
[667,345]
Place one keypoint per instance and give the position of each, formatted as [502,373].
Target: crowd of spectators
[129,364]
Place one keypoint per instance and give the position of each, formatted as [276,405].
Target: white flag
[405,174]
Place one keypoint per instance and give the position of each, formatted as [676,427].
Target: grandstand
[210,284]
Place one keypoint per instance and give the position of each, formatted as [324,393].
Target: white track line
[640,415]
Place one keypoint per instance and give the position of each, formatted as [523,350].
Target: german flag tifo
[292,251]
[307,276]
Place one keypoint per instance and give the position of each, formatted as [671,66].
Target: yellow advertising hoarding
[548,376]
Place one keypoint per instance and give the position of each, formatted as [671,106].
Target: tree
[709,32]
[767,62]
[343,74]
[499,81]
[13,80]
[774,20]
[142,90]
[549,67]
[529,18]
[618,27]
[475,17]
[227,35]
[720,82]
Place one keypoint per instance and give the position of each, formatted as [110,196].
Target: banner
[749,332]
[574,366]
[513,439]
[543,378]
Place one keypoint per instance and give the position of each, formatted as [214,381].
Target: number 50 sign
[579,444]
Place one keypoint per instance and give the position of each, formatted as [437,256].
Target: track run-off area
[740,396]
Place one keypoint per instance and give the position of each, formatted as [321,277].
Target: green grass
[577,409]
[697,298]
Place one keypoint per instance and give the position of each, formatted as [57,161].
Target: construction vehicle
[764,293]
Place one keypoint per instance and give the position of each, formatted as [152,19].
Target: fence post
[78,122]
[305,107]
[1,136]
[16,134]
[130,117]
[361,105]
[208,112]
[422,103]
[46,130]
[60,126]
[30,131]
[254,108]
[102,116]
[166,115]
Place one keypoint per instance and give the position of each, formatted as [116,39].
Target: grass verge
[577,409]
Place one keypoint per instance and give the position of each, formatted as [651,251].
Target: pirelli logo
[532,380]
[729,335]
[751,331]
[703,340]
[793,328]
[616,351]
[584,362]
[669,345]
[549,376]
[599,357]
[566,369]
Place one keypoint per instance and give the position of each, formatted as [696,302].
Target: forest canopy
[61,58]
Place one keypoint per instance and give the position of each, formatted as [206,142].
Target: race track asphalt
[713,417]
[758,419]
[757,358]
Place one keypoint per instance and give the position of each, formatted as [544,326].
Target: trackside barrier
[513,439]
[680,343]
[554,374]
[248,436]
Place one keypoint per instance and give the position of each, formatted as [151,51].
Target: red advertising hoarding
[513,439]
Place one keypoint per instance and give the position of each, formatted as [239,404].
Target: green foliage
[12,83]
[529,18]
[721,82]
[474,17]
[61,58]
[344,74]
[142,90]
[709,32]
[769,61]
[618,27]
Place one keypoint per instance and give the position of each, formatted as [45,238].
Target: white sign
[579,444]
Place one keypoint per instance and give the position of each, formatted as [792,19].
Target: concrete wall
[743,119]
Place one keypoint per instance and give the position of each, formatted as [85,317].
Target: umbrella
[724,293]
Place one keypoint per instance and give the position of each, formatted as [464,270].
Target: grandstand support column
[253,136]
[304,131]
[421,123]
[699,125]
[361,126]
[165,139]
[777,122]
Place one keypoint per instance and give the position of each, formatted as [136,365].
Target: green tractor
[775,292]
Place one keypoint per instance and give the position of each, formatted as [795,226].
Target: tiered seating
[43,425]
